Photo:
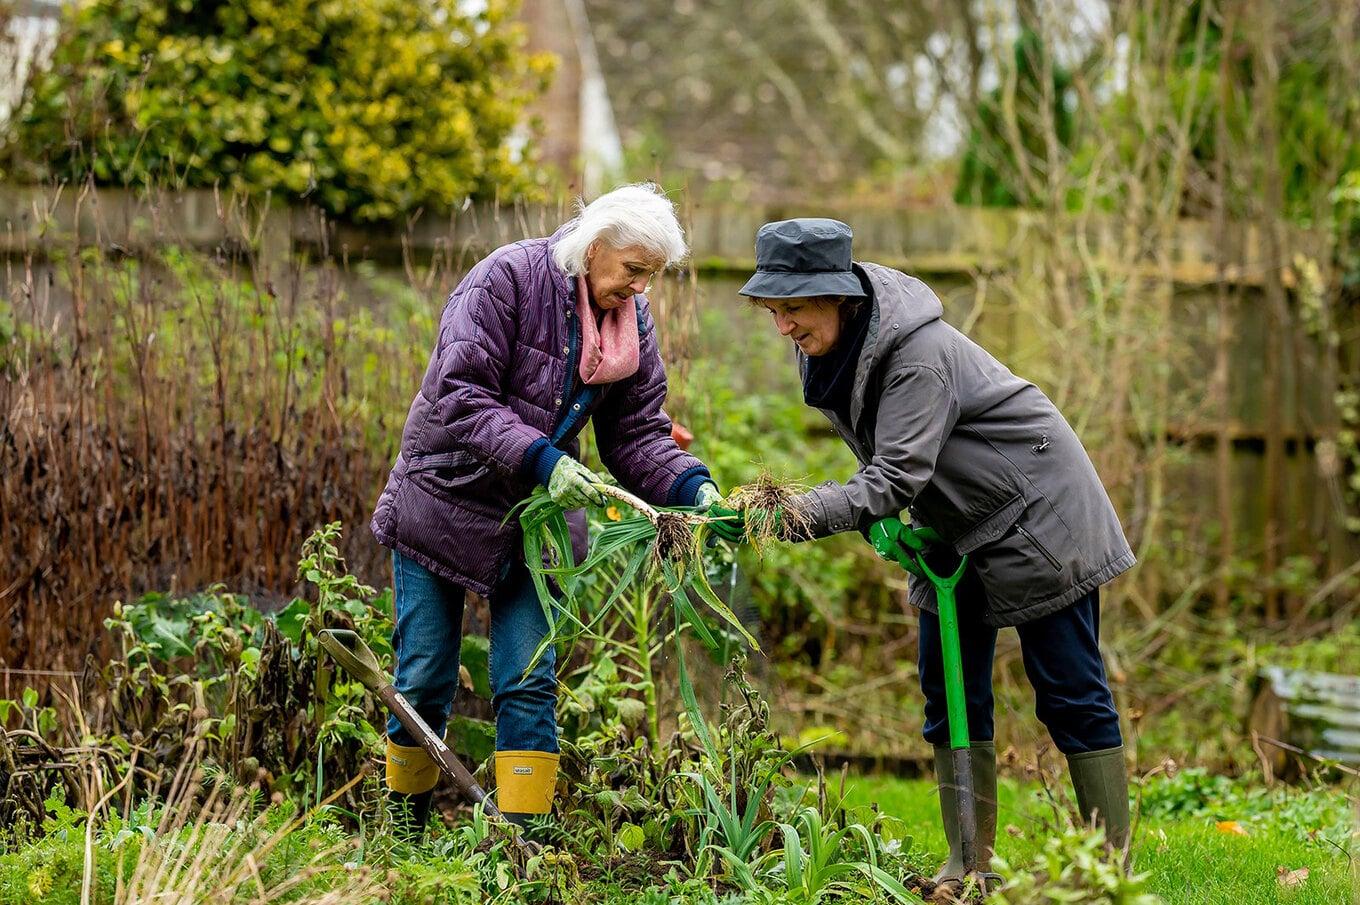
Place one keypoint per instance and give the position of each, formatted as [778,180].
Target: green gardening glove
[571,485]
[729,524]
[901,543]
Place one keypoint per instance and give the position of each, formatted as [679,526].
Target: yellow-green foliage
[369,108]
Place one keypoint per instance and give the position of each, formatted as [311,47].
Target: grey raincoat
[943,429]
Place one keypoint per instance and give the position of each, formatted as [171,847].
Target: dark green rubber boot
[984,790]
[1100,779]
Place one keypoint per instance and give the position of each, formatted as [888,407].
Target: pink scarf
[609,347]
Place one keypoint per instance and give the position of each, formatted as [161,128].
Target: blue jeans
[1061,653]
[427,638]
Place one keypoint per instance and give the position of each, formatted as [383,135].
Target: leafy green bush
[1318,814]
[369,108]
[253,691]
[50,869]
[1187,794]
[1336,651]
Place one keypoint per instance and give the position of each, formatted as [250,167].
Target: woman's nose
[639,285]
[784,323]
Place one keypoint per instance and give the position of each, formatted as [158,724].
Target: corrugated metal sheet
[1322,711]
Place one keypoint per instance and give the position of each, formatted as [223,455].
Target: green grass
[1178,844]
[1187,859]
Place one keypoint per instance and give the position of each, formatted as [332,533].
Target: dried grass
[180,419]
[213,846]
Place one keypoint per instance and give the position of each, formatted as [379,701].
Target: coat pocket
[1039,546]
[975,494]
[447,473]
[991,526]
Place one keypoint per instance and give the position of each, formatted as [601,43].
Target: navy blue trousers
[1061,653]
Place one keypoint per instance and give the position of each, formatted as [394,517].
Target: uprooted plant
[642,569]
[649,563]
[771,508]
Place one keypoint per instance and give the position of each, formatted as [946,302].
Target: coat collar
[898,311]
[871,351]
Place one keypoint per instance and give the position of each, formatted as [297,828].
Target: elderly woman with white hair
[540,337]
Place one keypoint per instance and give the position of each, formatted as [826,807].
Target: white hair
[639,214]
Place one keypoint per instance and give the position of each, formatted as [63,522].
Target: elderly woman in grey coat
[944,431]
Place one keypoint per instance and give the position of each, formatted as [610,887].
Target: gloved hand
[899,543]
[570,485]
[708,495]
[730,524]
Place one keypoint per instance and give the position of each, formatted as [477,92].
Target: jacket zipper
[434,460]
[573,342]
[1052,561]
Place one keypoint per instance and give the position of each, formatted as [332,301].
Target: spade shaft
[909,547]
[960,743]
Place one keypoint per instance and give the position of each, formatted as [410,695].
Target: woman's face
[614,275]
[814,324]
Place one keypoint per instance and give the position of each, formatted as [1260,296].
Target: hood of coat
[564,283]
[903,301]
[902,305]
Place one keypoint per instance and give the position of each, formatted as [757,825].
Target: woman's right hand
[571,485]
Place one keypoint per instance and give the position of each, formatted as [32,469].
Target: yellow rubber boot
[411,778]
[526,783]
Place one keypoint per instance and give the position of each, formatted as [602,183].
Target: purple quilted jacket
[499,405]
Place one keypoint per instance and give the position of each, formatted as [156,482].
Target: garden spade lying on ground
[350,651]
[890,539]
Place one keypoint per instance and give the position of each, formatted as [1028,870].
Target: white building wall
[28,40]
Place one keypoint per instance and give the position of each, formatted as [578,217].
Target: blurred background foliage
[370,109]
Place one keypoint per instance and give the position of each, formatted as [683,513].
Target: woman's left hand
[708,495]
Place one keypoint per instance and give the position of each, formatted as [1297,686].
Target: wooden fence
[963,253]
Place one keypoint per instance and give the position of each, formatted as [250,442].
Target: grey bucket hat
[803,257]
